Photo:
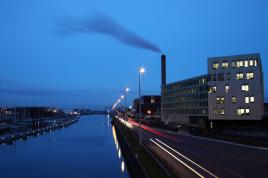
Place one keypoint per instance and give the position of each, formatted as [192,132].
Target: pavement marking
[213,175]
[186,165]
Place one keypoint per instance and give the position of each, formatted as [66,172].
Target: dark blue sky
[40,65]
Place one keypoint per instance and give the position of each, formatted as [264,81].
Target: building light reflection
[118,150]
[119,153]
[123,166]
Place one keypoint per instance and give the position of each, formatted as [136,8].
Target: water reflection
[119,150]
[82,150]
[122,166]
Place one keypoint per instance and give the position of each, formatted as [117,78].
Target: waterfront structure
[231,91]
[236,88]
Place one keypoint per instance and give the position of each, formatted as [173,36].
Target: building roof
[193,78]
[235,56]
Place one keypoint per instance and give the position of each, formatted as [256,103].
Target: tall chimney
[163,71]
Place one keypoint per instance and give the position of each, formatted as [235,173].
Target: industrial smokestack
[163,70]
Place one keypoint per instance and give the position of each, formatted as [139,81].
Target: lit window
[240,112]
[256,63]
[215,112]
[251,62]
[227,88]
[239,76]
[233,99]
[239,63]
[252,99]
[246,63]
[216,65]
[225,65]
[245,88]
[247,100]
[220,100]
[212,89]
[247,111]
[250,75]
[222,112]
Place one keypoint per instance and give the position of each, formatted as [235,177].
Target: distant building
[232,91]
[26,113]
[150,105]
[186,101]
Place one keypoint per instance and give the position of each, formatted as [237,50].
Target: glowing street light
[141,72]
[122,97]
[126,91]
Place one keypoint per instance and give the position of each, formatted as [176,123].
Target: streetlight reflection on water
[118,149]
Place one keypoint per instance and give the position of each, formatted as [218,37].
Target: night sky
[83,53]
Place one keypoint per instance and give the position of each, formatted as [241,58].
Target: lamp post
[141,71]
[126,90]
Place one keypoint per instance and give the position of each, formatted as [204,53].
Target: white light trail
[188,159]
[186,165]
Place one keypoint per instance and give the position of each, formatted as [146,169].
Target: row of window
[225,64]
[213,89]
[243,111]
[182,91]
[219,112]
[240,75]
[239,111]
[248,99]
[186,111]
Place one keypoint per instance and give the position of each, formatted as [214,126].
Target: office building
[236,88]
[231,91]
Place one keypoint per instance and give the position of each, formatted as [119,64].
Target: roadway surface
[190,156]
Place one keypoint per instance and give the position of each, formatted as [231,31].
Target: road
[200,157]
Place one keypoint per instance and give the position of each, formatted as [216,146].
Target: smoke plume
[103,24]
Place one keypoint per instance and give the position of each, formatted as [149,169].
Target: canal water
[88,148]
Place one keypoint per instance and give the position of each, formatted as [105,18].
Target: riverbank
[9,139]
[140,162]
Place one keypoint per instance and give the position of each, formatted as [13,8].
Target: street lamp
[141,72]
[126,90]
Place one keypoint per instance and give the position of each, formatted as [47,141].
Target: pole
[15,114]
[140,104]
[125,100]
[125,110]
